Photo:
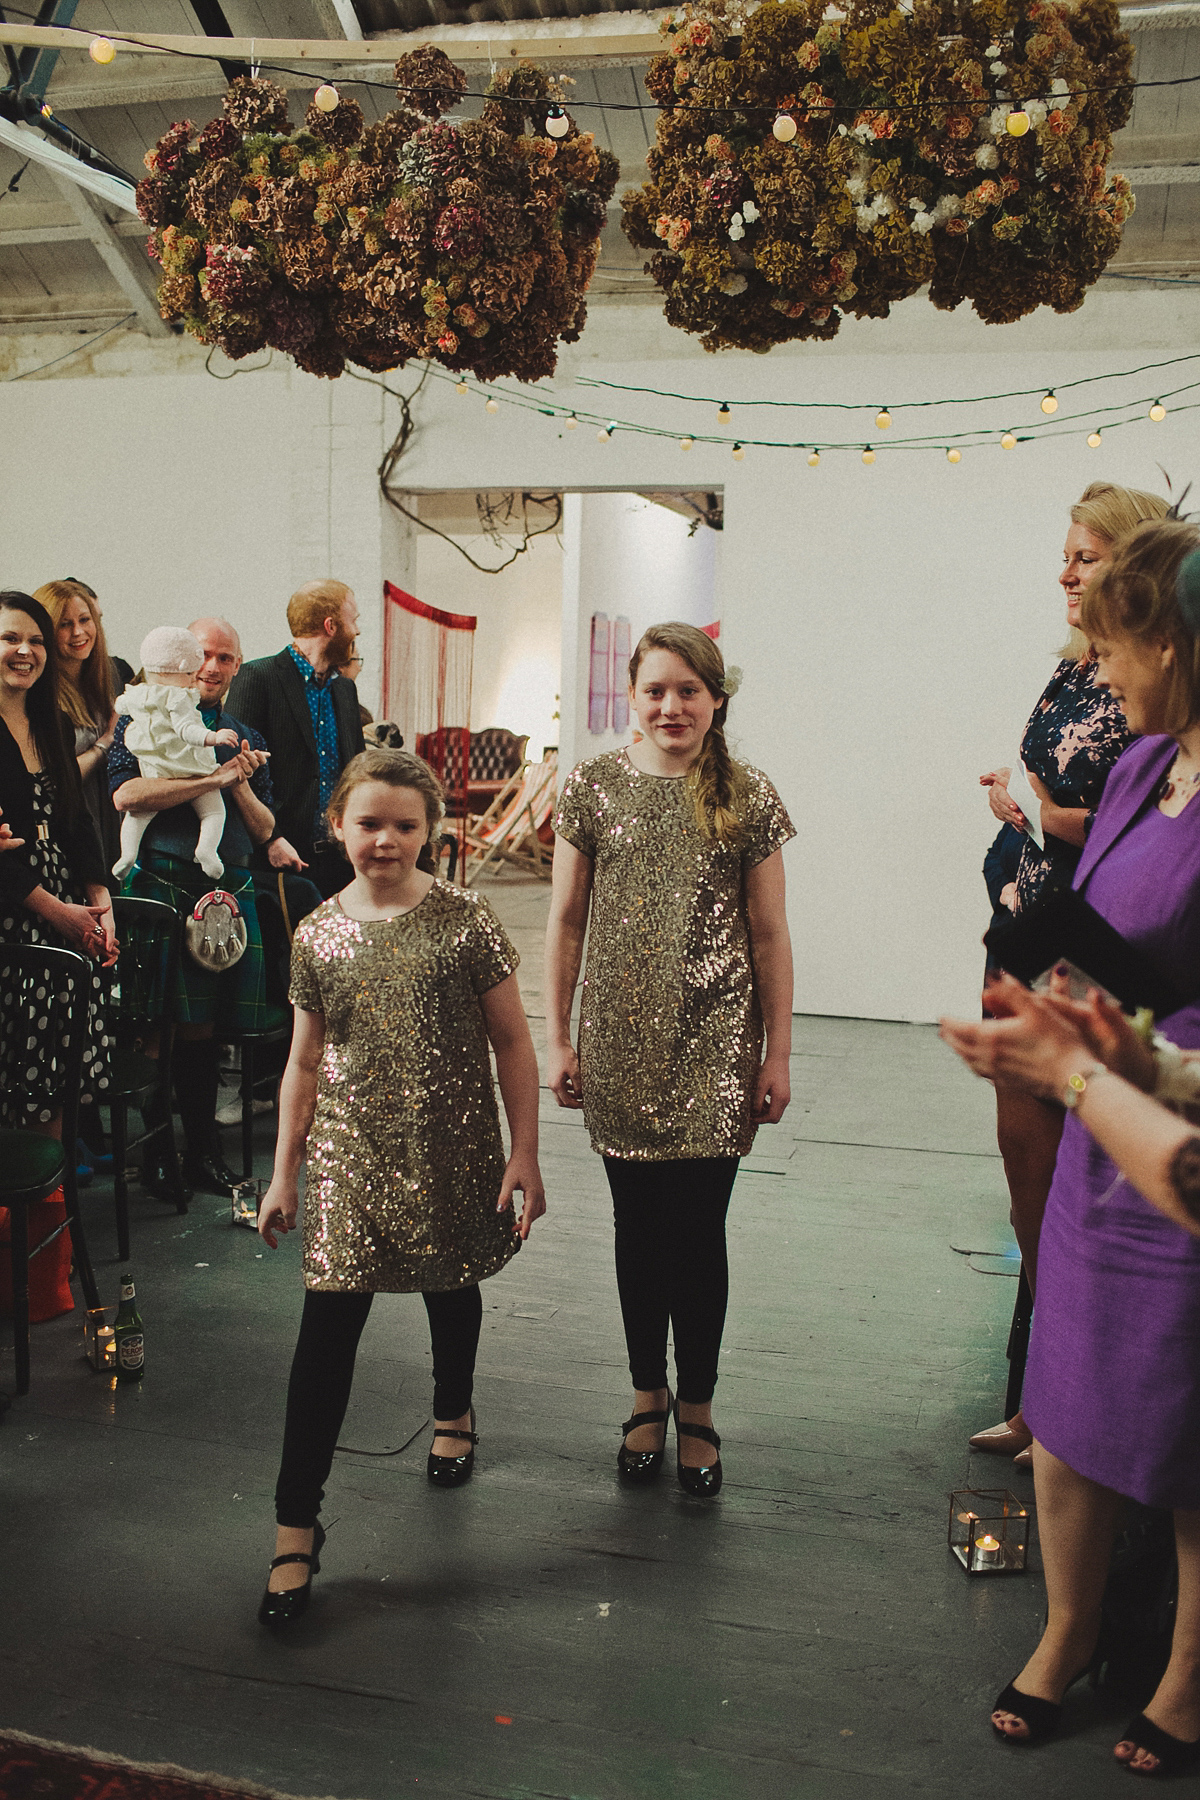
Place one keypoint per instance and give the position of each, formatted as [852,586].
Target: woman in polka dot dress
[52,887]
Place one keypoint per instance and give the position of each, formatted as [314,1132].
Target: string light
[868,454]
[102,50]
[1049,403]
[723,412]
[784,128]
[685,443]
[1094,440]
[954,456]
[1017,123]
[739,454]
[814,458]
[460,387]
[1008,441]
[327,98]
[606,431]
[883,419]
[1158,412]
[572,424]
[491,404]
[557,122]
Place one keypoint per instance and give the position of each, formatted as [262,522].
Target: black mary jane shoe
[1175,1755]
[639,1467]
[452,1471]
[285,1607]
[703,1482]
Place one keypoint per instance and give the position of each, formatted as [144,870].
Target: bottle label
[131,1351]
[126,1290]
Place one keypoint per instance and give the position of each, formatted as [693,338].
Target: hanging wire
[76,350]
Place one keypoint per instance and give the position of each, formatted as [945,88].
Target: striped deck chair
[508,832]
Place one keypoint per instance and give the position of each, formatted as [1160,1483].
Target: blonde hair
[88,700]
[400,769]
[312,604]
[718,785]
[1109,512]
[1135,597]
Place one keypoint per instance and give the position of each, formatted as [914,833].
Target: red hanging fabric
[428,658]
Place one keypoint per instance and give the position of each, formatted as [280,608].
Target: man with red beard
[308,713]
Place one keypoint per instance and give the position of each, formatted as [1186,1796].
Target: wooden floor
[542,1634]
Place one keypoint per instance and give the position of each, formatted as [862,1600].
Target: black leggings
[323,1369]
[672,1266]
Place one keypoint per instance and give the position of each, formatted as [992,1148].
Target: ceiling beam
[117,257]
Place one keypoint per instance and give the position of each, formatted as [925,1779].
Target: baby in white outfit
[171,741]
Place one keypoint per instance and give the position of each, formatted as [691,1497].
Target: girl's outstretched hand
[772,1091]
[277,1212]
[522,1172]
[563,1079]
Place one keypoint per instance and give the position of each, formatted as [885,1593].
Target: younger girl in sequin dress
[398,984]
[675,849]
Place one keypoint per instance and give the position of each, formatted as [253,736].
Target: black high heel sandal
[452,1471]
[1175,1755]
[639,1467]
[282,1608]
[703,1482]
[1041,1717]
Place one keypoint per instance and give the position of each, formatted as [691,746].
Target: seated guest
[210,1000]
[307,713]
[52,875]
[88,682]
[1112,1387]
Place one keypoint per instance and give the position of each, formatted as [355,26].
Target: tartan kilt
[229,999]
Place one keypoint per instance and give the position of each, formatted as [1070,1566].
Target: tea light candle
[988,1553]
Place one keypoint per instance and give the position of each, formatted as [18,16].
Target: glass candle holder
[99,1344]
[245,1201]
[988,1531]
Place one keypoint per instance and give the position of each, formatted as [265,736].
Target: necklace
[1175,783]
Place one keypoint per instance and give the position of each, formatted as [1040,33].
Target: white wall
[895,623]
[625,557]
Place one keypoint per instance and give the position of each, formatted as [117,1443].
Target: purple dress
[1113,1381]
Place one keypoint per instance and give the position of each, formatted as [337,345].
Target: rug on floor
[37,1769]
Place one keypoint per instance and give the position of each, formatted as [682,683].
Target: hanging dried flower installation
[468,242]
[808,167]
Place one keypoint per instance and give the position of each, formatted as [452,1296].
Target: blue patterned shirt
[318,692]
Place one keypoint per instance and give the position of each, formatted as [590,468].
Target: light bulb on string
[572,423]
[1008,441]
[1094,440]
[883,419]
[814,458]
[102,50]
[460,387]
[739,453]
[557,122]
[1158,412]
[606,431]
[491,405]
[953,456]
[1017,123]
[784,128]
[685,443]
[327,99]
[723,412]
[1049,403]
[868,454]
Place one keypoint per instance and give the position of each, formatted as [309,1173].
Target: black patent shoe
[641,1466]
[452,1471]
[703,1482]
[285,1607]
[210,1174]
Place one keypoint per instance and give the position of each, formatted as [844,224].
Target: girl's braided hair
[718,784]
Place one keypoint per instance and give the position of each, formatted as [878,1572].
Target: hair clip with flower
[731,681]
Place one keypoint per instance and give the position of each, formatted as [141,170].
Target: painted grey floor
[806,1635]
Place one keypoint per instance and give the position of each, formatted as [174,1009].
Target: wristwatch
[1077,1084]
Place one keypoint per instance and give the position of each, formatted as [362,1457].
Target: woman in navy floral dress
[1071,743]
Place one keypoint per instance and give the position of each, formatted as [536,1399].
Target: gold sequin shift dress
[405,1157]
[670,1028]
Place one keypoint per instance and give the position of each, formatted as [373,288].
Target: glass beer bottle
[127,1331]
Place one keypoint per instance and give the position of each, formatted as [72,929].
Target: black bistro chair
[32,1167]
[150,934]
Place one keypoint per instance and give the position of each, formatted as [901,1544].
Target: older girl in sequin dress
[675,849]
[398,983]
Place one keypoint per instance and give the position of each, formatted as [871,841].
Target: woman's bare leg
[1175,1707]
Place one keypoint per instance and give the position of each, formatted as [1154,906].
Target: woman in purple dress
[1112,1389]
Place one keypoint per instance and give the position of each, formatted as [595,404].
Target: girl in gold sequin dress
[675,850]
[398,982]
